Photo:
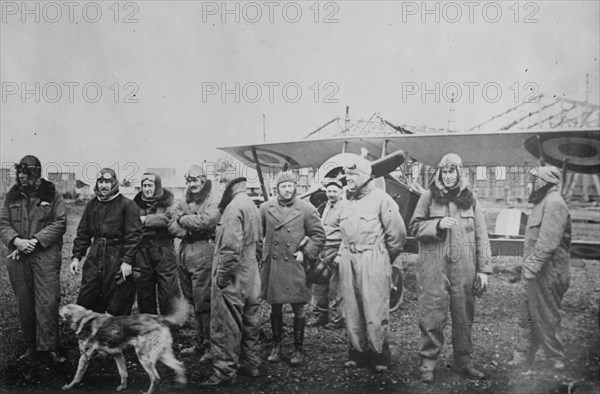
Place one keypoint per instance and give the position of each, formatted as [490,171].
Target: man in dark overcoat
[293,235]
[110,228]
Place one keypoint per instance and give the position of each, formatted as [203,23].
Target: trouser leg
[119,298]
[90,293]
[545,310]
[250,350]
[146,284]
[226,330]
[433,308]
[375,289]
[462,309]
[335,298]
[166,276]
[353,312]
[46,278]
[21,279]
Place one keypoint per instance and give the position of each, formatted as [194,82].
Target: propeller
[379,168]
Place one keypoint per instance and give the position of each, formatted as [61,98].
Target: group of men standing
[233,254]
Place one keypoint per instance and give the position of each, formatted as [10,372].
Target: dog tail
[179,311]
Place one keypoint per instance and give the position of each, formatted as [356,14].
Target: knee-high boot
[298,357]
[277,329]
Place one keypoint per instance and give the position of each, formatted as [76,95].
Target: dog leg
[84,361]
[120,361]
[169,360]
[150,368]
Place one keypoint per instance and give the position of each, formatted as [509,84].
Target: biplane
[575,150]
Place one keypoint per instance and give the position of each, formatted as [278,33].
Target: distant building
[65,183]
[7,179]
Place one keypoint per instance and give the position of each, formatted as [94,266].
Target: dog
[148,334]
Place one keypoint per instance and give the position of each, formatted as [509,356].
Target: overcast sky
[287,62]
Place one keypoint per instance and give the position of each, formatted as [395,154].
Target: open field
[496,332]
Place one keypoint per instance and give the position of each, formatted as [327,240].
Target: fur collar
[234,188]
[45,191]
[164,201]
[462,196]
[199,197]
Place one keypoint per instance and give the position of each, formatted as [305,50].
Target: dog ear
[75,313]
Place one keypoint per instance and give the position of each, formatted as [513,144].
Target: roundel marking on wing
[266,157]
[583,152]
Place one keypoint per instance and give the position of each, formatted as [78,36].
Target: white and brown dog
[148,334]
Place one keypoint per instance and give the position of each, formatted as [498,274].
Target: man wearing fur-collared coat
[234,324]
[194,221]
[293,234]
[545,270]
[156,257]
[454,249]
[33,221]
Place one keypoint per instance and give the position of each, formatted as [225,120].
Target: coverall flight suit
[234,324]
[373,234]
[35,277]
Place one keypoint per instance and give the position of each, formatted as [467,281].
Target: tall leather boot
[298,357]
[277,329]
[207,356]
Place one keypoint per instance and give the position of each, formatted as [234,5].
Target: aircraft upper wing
[581,147]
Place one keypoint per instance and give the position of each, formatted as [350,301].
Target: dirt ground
[496,333]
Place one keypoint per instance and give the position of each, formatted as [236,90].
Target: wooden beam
[260,175]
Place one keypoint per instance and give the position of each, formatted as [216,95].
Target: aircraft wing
[507,148]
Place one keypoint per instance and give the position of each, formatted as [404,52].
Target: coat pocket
[534,221]
[437,213]
[15,210]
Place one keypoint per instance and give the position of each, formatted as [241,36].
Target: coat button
[286,259]
[275,242]
[289,231]
[274,257]
[287,244]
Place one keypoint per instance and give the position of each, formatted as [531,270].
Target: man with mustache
[327,297]
[292,232]
[110,228]
[373,234]
[33,221]
[156,257]
[194,221]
